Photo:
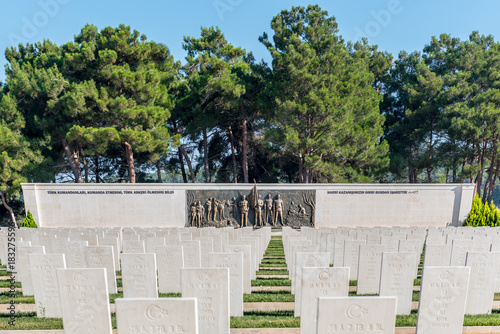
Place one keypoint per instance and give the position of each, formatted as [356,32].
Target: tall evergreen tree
[16,155]
[327,113]
[106,91]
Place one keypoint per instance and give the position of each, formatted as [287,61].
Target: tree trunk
[97,171]
[205,156]
[244,148]
[301,168]
[73,162]
[491,171]
[233,154]
[479,178]
[310,175]
[129,156]
[85,166]
[429,168]
[158,170]
[494,183]
[412,178]
[181,162]
[190,165]
[12,216]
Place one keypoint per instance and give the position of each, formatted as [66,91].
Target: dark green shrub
[482,214]
[29,221]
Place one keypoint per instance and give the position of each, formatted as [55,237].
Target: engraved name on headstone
[84,301]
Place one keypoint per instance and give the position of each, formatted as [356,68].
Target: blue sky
[393,25]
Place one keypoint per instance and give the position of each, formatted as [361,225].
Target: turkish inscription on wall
[237,208]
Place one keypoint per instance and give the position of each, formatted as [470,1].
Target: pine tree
[16,155]
[326,109]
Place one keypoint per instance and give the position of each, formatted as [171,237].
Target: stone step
[273,276]
[271,288]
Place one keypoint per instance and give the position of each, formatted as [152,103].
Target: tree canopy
[112,106]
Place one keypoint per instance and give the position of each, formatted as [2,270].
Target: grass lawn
[268,296]
[272,272]
[6,284]
[271,282]
[265,319]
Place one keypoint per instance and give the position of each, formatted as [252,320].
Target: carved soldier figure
[243,210]
[194,214]
[268,209]
[258,211]
[234,210]
[208,203]
[200,210]
[221,209]
[215,205]
[302,210]
[278,210]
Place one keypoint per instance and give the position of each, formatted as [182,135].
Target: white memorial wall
[110,205]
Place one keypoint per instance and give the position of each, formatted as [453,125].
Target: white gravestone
[291,265]
[481,243]
[254,263]
[495,249]
[139,276]
[102,257]
[302,260]
[397,279]
[412,246]
[133,246]
[483,272]
[75,254]
[459,250]
[211,287]
[84,301]
[170,261]
[165,315]
[437,255]
[369,266]
[345,315]
[246,251]
[234,262]
[206,247]
[320,282]
[192,256]
[351,256]
[23,267]
[153,242]
[338,250]
[115,243]
[443,292]
[43,271]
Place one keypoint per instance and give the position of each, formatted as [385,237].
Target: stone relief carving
[237,208]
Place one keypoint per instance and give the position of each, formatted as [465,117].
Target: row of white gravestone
[78,255]
[204,306]
[85,309]
[139,273]
[447,292]
[55,240]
